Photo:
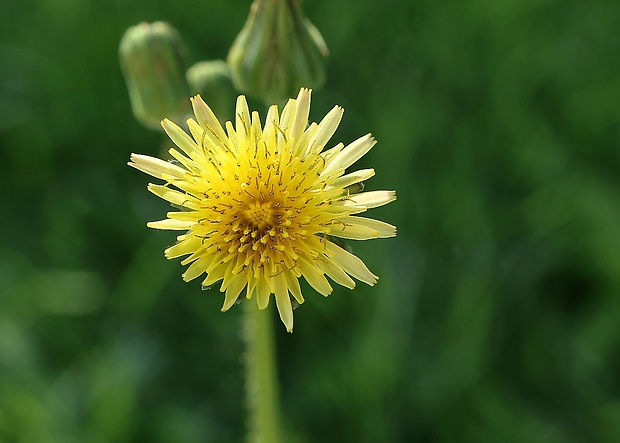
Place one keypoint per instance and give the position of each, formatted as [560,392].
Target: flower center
[260,215]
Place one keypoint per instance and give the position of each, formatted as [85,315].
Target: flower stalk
[261,377]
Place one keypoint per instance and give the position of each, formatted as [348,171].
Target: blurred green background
[497,316]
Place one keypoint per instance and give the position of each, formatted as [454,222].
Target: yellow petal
[172,225]
[350,154]
[156,167]
[179,137]
[207,118]
[300,121]
[326,129]
[242,118]
[352,231]
[197,268]
[293,286]
[337,274]
[233,290]
[283,302]
[316,279]
[262,293]
[214,275]
[383,229]
[351,264]
[173,196]
[372,199]
[182,248]
[352,178]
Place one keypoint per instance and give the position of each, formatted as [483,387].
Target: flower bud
[151,57]
[211,79]
[277,52]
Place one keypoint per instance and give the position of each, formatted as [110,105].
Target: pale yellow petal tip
[304,94]
[200,107]
[135,158]
[197,100]
[304,91]
[371,279]
[166,124]
[227,305]
[242,104]
[389,233]
[290,103]
[232,290]
[286,315]
[191,273]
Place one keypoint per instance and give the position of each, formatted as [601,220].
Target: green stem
[261,375]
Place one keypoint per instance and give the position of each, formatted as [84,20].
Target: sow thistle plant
[259,204]
[263,205]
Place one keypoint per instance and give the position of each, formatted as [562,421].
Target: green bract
[151,57]
[277,52]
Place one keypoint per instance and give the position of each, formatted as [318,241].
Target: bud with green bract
[277,52]
[151,57]
[211,79]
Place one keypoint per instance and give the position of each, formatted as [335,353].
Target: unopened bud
[211,79]
[277,52]
[151,57]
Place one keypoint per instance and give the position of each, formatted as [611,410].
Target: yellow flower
[260,207]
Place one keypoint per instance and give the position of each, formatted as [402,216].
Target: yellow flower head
[260,207]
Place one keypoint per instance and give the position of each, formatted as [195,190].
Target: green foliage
[496,316]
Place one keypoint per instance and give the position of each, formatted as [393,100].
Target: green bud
[277,52]
[211,79]
[151,57]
